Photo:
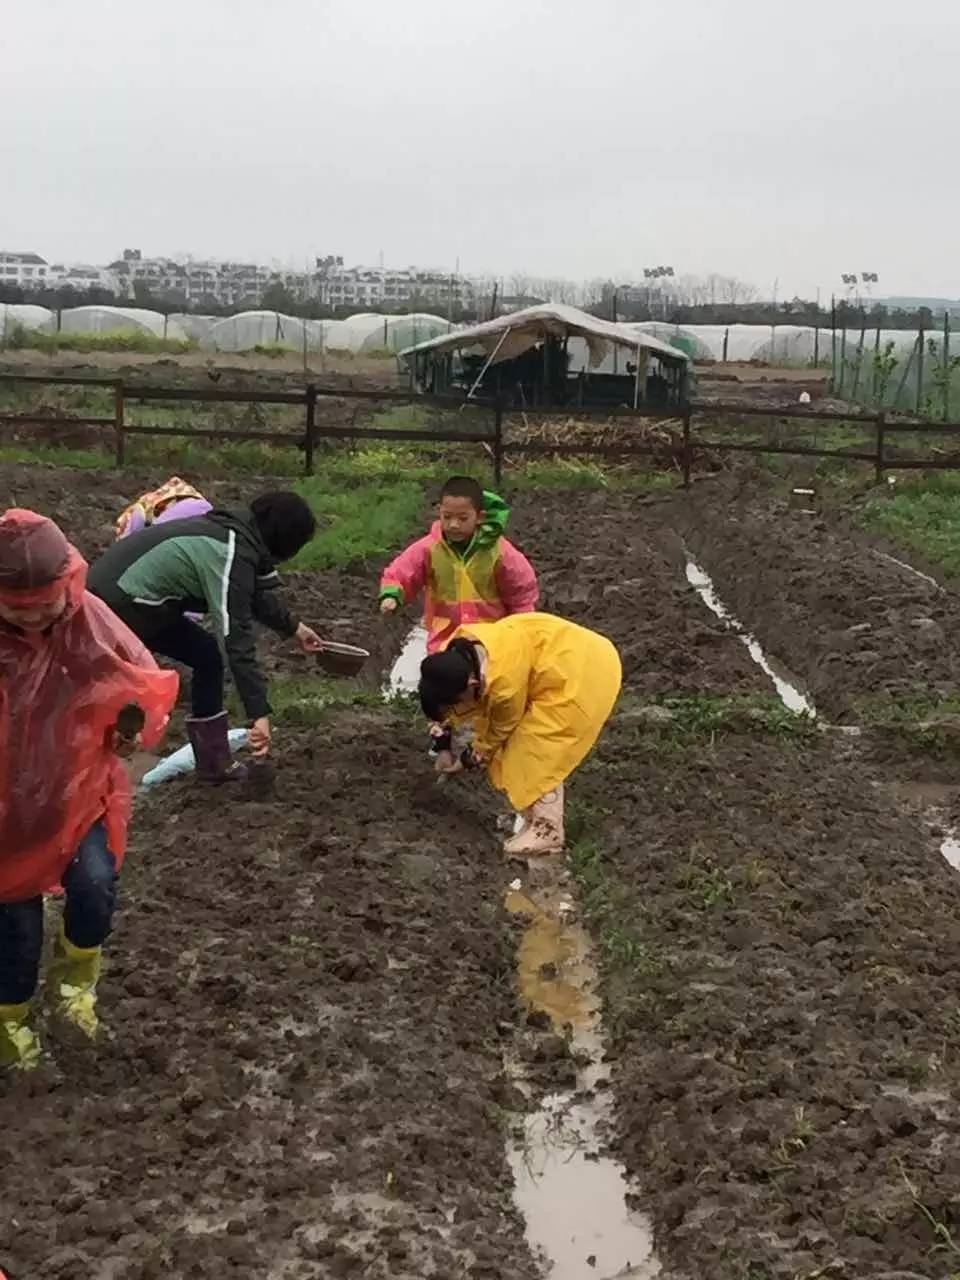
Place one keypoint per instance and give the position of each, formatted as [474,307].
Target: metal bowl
[341,659]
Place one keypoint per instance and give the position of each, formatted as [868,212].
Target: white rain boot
[542,832]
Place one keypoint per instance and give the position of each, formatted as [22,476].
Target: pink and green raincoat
[485,580]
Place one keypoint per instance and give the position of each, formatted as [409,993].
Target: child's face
[459,518]
[34,617]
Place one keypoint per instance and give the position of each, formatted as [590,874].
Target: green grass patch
[922,514]
[308,700]
[22,339]
[691,719]
[49,455]
[378,462]
[615,918]
[363,520]
[927,725]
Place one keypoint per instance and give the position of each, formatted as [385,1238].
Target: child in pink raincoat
[465,567]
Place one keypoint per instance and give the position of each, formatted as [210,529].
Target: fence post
[498,443]
[310,430]
[118,425]
[687,451]
[881,430]
[946,371]
[921,339]
[726,343]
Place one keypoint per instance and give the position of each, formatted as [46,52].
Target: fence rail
[682,453]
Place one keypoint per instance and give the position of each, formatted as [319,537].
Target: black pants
[187,643]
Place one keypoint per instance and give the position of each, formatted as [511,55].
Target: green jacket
[215,564]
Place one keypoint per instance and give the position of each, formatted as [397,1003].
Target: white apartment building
[25,270]
[196,282]
[339,286]
[80,276]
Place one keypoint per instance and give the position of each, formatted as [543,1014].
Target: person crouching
[69,670]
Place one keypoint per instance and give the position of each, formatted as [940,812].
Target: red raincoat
[60,693]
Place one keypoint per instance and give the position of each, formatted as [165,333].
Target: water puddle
[788,693]
[405,672]
[902,564]
[572,1197]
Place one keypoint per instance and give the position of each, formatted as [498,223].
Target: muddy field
[310,998]
[851,624]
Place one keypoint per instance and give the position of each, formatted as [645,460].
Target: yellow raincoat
[549,687]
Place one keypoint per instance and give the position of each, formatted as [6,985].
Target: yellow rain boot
[19,1046]
[542,832]
[72,982]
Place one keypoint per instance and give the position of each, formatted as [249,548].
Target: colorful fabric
[175,500]
[549,687]
[482,582]
[61,691]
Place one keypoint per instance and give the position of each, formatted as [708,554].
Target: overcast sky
[789,139]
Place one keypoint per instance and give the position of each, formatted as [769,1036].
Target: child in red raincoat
[68,668]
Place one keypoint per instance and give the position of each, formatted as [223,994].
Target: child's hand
[307,639]
[388,605]
[447,762]
[124,746]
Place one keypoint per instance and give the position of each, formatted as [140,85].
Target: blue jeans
[90,888]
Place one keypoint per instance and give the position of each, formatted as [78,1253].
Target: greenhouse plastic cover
[24,315]
[251,329]
[194,326]
[118,320]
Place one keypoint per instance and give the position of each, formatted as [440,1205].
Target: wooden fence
[306,439]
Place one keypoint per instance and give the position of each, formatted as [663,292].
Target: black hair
[285,521]
[464,487]
[444,677]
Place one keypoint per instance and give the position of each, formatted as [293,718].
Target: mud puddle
[405,672]
[572,1197]
[788,693]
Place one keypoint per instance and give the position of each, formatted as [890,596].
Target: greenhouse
[22,315]
[195,327]
[252,329]
[118,320]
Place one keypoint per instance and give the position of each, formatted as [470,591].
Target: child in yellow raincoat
[537,690]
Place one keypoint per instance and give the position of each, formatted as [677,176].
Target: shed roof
[510,335]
